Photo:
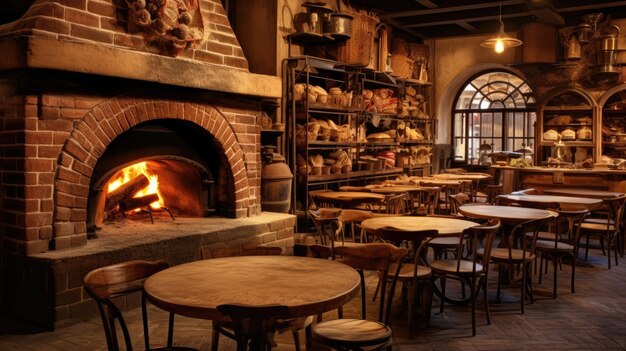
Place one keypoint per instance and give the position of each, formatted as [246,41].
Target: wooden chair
[236,331]
[607,228]
[557,248]
[474,271]
[328,226]
[413,274]
[457,200]
[358,334]
[491,192]
[394,204]
[106,283]
[522,255]
[428,199]
[253,324]
[314,203]
[354,219]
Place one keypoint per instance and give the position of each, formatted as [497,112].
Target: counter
[540,178]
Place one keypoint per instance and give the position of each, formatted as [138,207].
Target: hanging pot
[338,26]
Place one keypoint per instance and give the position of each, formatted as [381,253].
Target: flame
[130,172]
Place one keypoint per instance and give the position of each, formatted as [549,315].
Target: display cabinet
[612,133]
[568,116]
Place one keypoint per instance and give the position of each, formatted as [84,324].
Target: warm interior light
[501,41]
[499,46]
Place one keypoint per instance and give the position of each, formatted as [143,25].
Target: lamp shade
[501,41]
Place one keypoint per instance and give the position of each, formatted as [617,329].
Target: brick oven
[89,87]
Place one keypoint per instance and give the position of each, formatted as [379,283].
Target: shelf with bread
[613,128]
[568,119]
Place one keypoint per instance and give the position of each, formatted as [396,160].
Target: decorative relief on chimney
[172,24]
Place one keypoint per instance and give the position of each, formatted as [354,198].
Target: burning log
[126,191]
[138,202]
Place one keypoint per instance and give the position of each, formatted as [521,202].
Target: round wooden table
[565,202]
[395,189]
[445,226]
[507,214]
[350,198]
[307,286]
[588,193]
[469,176]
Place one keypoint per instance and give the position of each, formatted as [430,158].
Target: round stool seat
[352,332]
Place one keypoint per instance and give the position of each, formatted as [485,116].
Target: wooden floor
[594,318]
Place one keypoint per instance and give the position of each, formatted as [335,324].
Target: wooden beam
[468,26]
[403,28]
[596,5]
[451,9]
[427,3]
[472,19]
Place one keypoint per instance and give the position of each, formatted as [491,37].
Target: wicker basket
[402,66]
[358,49]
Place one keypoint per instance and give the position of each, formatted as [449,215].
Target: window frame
[466,115]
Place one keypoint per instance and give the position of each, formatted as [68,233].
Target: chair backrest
[314,203]
[616,206]
[418,238]
[527,242]
[568,223]
[354,216]
[376,256]
[456,201]
[252,323]
[395,204]
[103,284]
[327,224]
[493,190]
[481,240]
[238,251]
[429,197]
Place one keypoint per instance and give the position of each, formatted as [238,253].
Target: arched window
[495,108]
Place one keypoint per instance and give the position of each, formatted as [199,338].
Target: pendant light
[501,41]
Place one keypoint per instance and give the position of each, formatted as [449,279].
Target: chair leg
[523,300]
[363,299]
[573,287]
[472,285]
[215,338]
[411,287]
[428,304]
[541,259]
[555,263]
[609,251]
[296,339]
[484,287]
[443,293]
[587,248]
[170,331]
[499,282]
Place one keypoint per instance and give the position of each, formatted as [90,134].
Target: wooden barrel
[276,186]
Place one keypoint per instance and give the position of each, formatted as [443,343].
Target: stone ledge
[45,53]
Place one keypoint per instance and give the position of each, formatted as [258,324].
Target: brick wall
[106,22]
[52,141]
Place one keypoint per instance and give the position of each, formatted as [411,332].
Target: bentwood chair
[359,334]
[473,271]
[520,255]
[414,274]
[564,243]
[107,283]
[607,228]
[328,225]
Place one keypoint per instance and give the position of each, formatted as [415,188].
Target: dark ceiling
[425,19]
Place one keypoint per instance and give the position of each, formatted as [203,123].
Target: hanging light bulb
[501,41]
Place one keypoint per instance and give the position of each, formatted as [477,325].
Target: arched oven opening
[160,169]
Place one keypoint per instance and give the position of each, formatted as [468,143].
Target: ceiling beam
[403,28]
[468,26]
[432,11]
[472,19]
[427,3]
[596,5]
